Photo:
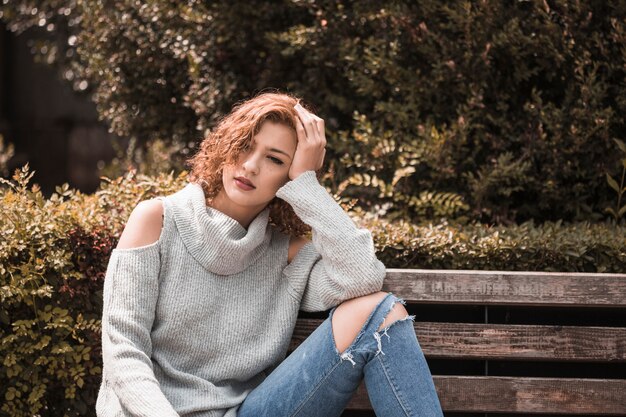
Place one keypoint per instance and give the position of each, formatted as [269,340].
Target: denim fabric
[316,380]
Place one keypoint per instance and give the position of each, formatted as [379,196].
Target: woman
[202,292]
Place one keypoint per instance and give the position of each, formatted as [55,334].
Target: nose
[250,164]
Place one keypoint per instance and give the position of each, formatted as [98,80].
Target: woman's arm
[340,262]
[130,292]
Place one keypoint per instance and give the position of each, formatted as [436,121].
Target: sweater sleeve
[130,294]
[340,262]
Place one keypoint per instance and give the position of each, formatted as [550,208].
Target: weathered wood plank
[523,395]
[507,342]
[499,394]
[507,287]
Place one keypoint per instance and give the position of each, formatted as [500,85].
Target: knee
[350,316]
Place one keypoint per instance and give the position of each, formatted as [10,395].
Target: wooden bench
[548,298]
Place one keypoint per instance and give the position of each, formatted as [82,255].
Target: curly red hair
[231,136]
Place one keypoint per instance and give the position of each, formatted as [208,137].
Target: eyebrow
[279,151]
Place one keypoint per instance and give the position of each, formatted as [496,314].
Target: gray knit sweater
[196,320]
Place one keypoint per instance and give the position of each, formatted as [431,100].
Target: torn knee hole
[380,333]
[397,313]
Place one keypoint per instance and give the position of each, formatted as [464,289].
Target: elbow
[377,275]
[367,280]
[373,270]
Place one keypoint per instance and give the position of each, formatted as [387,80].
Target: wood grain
[503,287]
[507,341]
[513,342]
[523,395]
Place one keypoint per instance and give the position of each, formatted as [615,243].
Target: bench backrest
[492,342]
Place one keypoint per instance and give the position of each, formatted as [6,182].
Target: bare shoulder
[295,244]
[143,226]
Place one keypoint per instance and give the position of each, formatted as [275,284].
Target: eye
[276,160]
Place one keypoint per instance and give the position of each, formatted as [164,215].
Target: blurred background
[50,125]
[488,112]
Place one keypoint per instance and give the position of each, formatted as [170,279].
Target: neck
[242,214]
[217,241]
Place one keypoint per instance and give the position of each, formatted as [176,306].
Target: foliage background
[465,135]
[489,111]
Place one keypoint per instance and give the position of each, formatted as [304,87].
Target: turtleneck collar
[217,241]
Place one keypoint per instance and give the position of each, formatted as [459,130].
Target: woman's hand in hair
[310,150]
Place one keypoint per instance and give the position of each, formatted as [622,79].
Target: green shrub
[48,347]
[493,111]
[53,257]
[550,247]
[619,187]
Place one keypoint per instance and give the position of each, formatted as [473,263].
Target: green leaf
[401,173]
[621,211]
[4,316]
[621,144]
[612,183]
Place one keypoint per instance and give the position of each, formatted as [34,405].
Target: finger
[304,114]
[300,131]
[320,163]
[320,137]
[314,127]
[310,115]
[308,123]
[319,124]
[309,136]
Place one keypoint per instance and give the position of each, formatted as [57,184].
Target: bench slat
[523,395]
[517,342]
[504,341]
[427,286]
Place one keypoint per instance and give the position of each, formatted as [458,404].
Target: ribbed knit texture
[196,320]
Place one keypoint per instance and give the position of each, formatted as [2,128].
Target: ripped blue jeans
[316,380]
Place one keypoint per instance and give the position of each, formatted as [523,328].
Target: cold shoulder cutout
[295,244]
[144,225]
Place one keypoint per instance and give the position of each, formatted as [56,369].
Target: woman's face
[263,168]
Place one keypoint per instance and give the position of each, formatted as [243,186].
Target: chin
[245,200]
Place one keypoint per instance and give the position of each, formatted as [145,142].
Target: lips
[245,181]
